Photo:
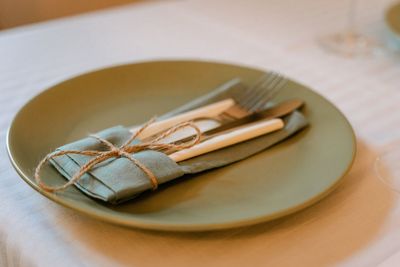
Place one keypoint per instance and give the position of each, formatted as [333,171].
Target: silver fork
[254,98]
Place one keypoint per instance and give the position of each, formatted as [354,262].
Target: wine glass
[350,42]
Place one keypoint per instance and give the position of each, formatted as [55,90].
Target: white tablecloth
[357,225]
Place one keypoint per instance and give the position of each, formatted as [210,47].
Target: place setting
[181,145]
[212,133]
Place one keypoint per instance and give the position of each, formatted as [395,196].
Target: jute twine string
[126,151]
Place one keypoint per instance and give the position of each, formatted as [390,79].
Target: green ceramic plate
[284,179]
[393,20]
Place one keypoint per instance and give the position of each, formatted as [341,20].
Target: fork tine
[253,91]
[244,94]
[257,96]
[263,101]
[263,92]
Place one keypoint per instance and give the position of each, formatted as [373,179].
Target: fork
[242,103]
[253,99]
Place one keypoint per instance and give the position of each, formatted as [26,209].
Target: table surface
[357,225]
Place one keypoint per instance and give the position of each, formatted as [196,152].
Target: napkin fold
[117,179]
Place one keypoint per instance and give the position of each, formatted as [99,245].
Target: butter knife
[280,110]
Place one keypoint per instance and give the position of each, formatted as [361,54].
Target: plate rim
[192,227]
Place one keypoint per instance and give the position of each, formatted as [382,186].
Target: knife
[280,110]
[233,137]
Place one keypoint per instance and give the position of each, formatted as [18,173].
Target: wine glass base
[387,167]
[349,44]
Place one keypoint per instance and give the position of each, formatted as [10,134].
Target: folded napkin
[117,179]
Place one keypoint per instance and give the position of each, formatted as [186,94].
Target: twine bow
[126,151]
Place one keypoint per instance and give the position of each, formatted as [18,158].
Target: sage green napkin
[118,180]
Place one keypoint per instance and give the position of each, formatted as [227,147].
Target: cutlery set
[229,121]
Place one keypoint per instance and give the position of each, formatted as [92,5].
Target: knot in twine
[126,151]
